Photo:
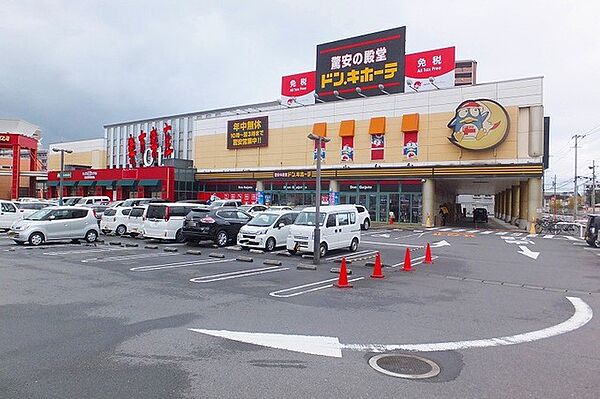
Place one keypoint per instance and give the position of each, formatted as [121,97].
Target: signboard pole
[317,237]
[60,184]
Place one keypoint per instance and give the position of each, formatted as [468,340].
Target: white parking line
[391,244]
[571,238]
[549,236]
[358,253]
[446,229]
[501,233]
[280,293]
[487,232]
[473,231]
[459,230]
[85,251]
[126,257]
[176,265]
[415,261]
[237,274]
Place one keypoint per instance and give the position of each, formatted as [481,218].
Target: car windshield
[110,212]
[245,208]
[264,219]
[39,215]
[71,201]
[129,202]
[308,219]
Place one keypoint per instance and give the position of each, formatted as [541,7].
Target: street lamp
[62,167]
[317,234]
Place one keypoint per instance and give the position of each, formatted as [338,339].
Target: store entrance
[405,206]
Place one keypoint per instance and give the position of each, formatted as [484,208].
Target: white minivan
[267,230]
[164,221]
[339,228]
[8,214]
[93,200]
[135,220]
[114,220]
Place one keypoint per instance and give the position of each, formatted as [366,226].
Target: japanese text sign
[248,133]
[298,89]
[430,70]
[363,62]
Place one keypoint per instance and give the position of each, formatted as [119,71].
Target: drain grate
[404,366]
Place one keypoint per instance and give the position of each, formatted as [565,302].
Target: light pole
[317,234]
[60,176]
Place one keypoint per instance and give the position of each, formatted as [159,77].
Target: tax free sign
[364,62]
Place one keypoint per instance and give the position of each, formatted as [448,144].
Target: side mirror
[281,225]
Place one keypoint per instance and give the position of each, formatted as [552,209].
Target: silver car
[56,223]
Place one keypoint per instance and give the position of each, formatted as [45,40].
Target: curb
[115,243]
[132,245]
[303,266]
[170,249]
[337,270]
[272,262]
[193,252]
[244,259]
[216,255]
[151,246]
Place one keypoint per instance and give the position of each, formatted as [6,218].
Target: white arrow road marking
[415,261]
[438,244]
[527,252]
[519,241]
[381,235]
[332,347]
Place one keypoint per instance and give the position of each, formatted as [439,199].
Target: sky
[72,66]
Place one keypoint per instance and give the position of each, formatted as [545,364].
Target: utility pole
[593,168]
[576,137]
[554,187]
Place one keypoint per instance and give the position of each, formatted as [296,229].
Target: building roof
[21,127]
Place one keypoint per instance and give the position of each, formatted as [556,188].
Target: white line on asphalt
[178,265]
[415,261]
[279,294]
[501,233]
[487,232]
[579,244]
[237,274]
[332,347]
[516,234]
[459,230]
[472,231]
[531,235]
[446,229]
[126,257]
[571,238]
[392,244]
[549,236]
[85,251]
[363,252]
[431,228]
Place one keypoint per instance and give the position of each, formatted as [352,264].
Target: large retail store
[401,152]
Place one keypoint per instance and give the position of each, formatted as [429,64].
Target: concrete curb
[272,262]
[115,243]
[193,252]
[337,270]
[131,245]
[302,266]
[170,249]
[256,251]
[216,255]
[151,246]
[244,259]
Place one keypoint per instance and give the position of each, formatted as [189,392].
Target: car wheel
[270,244]
[222,238]
[91,236]
[354,245]
[322,250]
[121,229]
[36,239]
[179,237]
[366,224]
[592,243]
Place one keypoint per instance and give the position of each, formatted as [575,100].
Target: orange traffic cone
[407,264]
[377,273]
[428,258]
[343,279]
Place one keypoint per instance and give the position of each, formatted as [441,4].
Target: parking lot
[140,318]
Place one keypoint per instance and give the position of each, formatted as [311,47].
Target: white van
[114,220]
[135,220]
[340,228]
[164,221]
[93,200]
[267,230]
[8,214]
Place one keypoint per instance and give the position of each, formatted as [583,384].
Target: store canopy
[86,183]
[126,183]
[105,183]
[69,183]
[52,184]
[149,183]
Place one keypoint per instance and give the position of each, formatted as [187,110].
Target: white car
[135,220]
[363,217]
[339,229]
[267,230]
[252,209]
[56,223]
[164,221]
[93,200]
[28,208]
[8,214]
[114,220]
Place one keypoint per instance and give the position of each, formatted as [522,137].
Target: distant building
[465,73]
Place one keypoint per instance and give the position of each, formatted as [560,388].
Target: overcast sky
[72,66]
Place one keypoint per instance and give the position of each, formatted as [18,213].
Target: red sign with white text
[298,89]
[430,70]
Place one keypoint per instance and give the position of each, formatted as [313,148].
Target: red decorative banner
[168,141]
[154,142]
[411,145]
[347,153]
[131,151]
[377,146]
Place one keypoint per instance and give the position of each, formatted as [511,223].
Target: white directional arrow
[528,252]
[438,244]
[332,347]
[384,235]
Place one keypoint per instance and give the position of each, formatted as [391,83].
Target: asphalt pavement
[117,321]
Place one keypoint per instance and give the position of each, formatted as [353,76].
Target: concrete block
[272,262]
[303,266]
[216,255]
[244,259]
[170,249]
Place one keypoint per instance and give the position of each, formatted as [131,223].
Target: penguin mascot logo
[479,125]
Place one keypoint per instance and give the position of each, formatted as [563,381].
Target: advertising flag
[430,70]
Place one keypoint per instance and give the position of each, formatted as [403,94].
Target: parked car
[225,203]
[8,214]
[141,201]
[480,215]
[267,230]
[114,220]
[135,220]
[28,208]
[364,219]
[339,229]
[70,201]
[281,208]
[29,199]
[93,200]
[165,220]
[252,209]
[56,223]
[591,231]
[220,225]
